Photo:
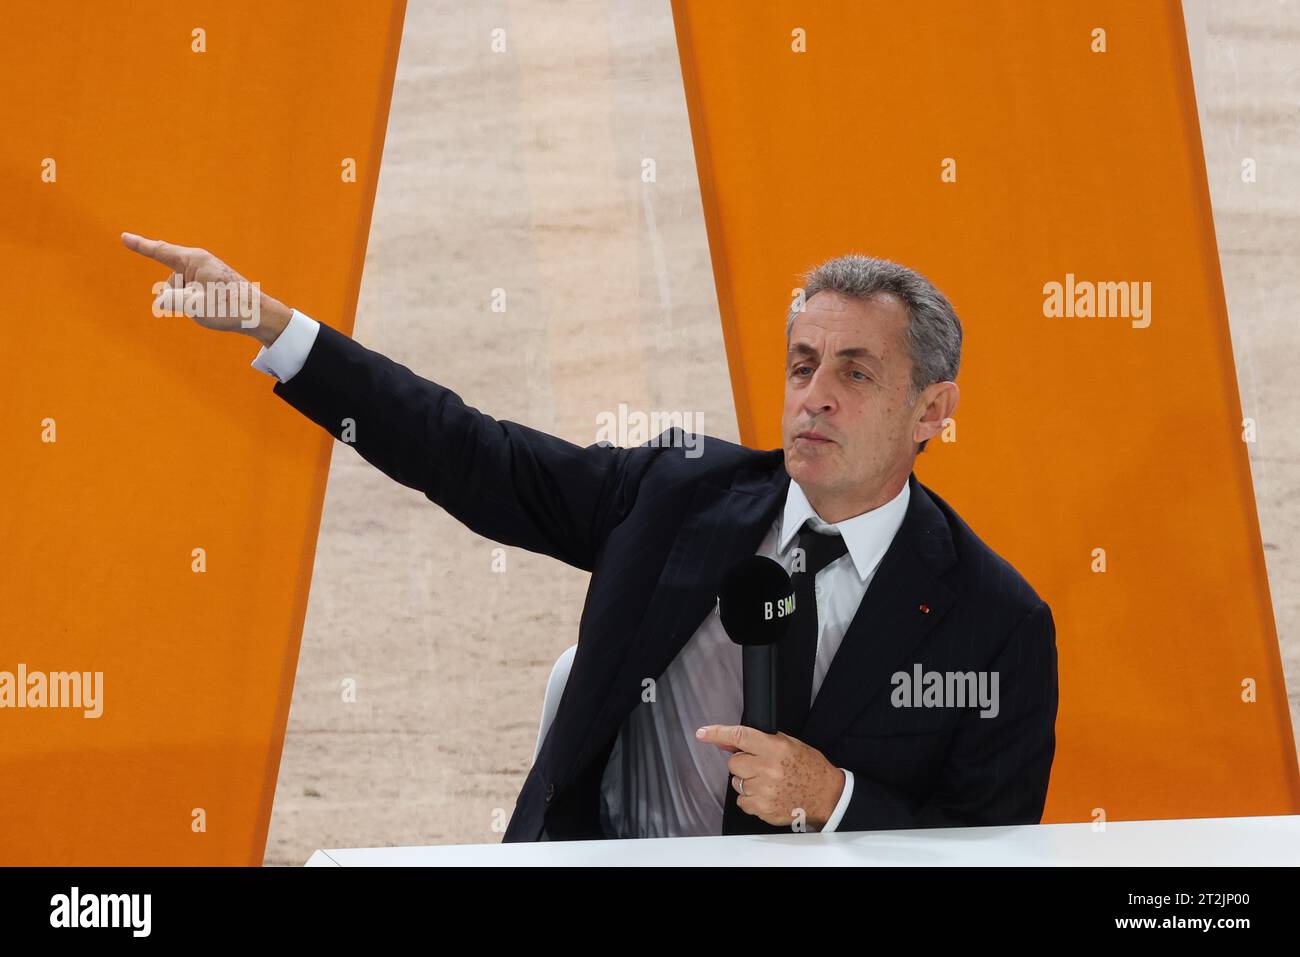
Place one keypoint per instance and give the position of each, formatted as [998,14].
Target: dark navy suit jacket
[657,530]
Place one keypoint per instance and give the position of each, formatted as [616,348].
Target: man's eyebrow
[853,352]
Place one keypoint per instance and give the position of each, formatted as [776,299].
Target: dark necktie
[796,659]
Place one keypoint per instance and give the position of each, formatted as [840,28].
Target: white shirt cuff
[833,821]
[288,352]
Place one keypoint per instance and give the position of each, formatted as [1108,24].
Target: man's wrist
[272,318]
[831,799]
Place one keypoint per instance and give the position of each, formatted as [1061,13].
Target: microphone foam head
[756,602]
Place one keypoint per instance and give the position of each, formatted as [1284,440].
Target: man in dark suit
[921,693]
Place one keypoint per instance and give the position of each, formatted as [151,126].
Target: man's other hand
[210,292]
[783,777]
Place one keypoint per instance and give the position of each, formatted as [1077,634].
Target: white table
[1231,841]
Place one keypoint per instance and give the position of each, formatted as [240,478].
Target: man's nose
[820,396]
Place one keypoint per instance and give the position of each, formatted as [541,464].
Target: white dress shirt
[660,781]
[288,353]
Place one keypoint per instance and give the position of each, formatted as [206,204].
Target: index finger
[165,253]
[733,737]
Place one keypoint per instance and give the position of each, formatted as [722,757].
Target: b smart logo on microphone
[779,608]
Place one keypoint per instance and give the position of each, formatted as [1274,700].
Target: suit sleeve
[997,769]
[503,480]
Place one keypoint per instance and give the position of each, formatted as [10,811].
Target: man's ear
[937,402]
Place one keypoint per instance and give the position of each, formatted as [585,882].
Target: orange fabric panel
[1072,433]
[166,440]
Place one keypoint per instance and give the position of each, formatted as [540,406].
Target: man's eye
[861,376]
[799,370]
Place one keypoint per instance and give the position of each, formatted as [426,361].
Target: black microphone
[756,604]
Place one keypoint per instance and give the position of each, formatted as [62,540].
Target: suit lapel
[724,526]
[889,623]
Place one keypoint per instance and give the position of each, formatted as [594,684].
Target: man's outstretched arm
[505,481]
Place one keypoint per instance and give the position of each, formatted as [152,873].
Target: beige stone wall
[1246,65]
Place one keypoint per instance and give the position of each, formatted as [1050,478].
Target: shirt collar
[867,535]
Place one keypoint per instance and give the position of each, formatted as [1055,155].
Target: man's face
[848,423]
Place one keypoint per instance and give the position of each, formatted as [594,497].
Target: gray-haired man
[900,584]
